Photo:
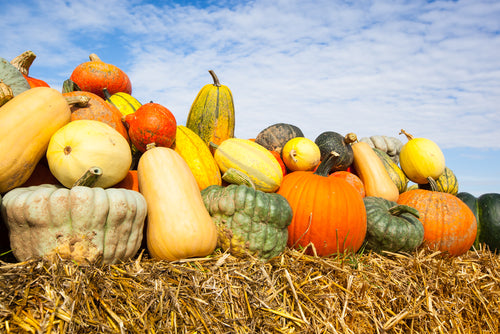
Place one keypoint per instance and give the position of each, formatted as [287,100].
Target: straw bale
[422,292]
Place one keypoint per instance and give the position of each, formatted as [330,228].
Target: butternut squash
[178,224]
[27,122]
[373,173]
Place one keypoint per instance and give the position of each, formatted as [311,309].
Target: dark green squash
[392,227]
[486,208]
[446,183]
[331,141]
[395,173]
[275,136]
[249,221]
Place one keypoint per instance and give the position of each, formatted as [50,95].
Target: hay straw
[422,292]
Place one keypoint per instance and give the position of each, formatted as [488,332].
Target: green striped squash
[446,183]
[126,103]
[395,173]
[252,159]
[212,113]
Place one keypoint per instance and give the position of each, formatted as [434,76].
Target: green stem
[232,175]
[398,210]
[89,178]
[326,165]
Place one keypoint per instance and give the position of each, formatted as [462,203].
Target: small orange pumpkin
[95,75]
[449,224]
[130,181]
[151,123]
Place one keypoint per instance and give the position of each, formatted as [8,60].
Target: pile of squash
[91,174]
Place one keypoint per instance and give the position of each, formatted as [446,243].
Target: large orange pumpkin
[95,75]
[449,224]
[327,211]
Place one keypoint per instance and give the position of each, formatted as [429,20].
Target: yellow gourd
[27,122]
[421,158]
[81,144]
[301,153]
[372,172]
[178,223]
[198,157]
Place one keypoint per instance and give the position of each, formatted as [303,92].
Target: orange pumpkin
[327,211]
[130,181]
[97,109]
[95,75]
[23,63]
[353,180]
[151,123]
[280,161]
[449,224]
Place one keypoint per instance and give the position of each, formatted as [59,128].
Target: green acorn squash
[486,209]
[249,221]
[392,227]
[330,141]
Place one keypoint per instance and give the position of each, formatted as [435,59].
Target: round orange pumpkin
[95,75]
[327,211]
[449,224]
[151,123]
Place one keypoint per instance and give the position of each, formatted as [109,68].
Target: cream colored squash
[81,144]
[301,153]
[178,224]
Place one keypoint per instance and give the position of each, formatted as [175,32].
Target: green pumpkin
[395,173]
[11,76]
[392,227]
[486,208]
[275,136]
[249,221]
[330,141]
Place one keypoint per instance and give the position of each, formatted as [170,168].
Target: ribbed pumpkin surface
[126,103]
[212,113]
[446,183]
[198,157]
[252,159]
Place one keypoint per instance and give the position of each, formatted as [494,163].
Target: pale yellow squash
[82,144]
[27,122]
[178,224]
[301,153]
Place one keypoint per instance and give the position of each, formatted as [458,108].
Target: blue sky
[369,67]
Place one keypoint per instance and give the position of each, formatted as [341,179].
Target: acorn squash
[332,141]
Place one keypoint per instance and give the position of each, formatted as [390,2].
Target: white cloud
[370,67]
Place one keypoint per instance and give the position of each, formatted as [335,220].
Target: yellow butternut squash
[178,223]
[373,173]
[27,122]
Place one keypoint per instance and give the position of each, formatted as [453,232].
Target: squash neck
[327,164]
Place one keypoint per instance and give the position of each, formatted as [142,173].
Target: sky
[431,68]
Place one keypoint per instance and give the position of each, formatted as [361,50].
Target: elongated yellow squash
[252,159]
[198,157]
[27,122]
[178,223]
[372,172]
[212,113]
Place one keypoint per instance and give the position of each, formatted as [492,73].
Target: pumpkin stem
[150,146]
[326,165]
[89,178]
[79,100]
[216,80]
[107,95]
[232,175]
[6,93]
[94,57]
[293,155]
[398,210]
[433,184]
[350,138]
[24,61]
[408,136]
[213,145]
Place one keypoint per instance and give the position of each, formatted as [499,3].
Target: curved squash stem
[214,77]
[408,136]
[94,57]
[235,176]
[398,210]
[78,100]
[350,138]
[24,61]
[89,178]
[293,155]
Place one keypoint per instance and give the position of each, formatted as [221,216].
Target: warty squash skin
[85,224]
[372,172]
[178,224]
[27,122]
[198,157]
[212,113]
